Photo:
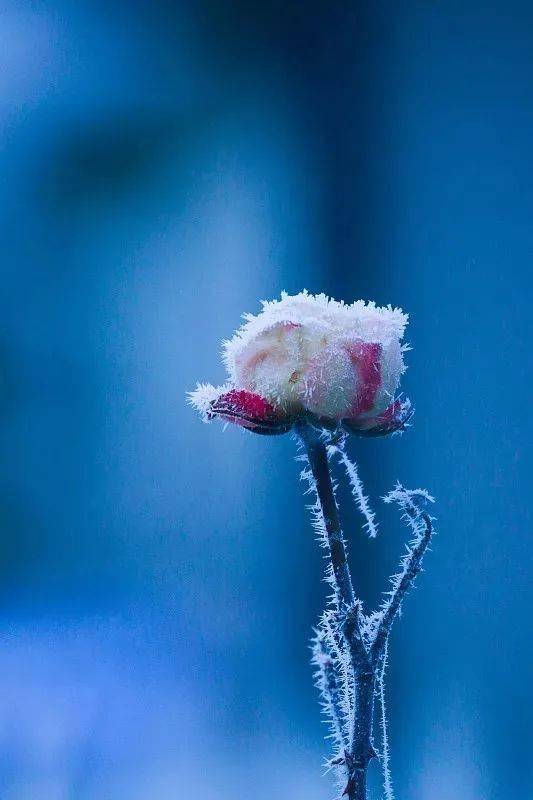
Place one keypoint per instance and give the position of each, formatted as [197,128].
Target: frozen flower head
[308,356]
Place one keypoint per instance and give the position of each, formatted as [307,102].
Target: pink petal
[365,357]
[251,411]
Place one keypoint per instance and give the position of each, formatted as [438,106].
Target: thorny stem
[366,651]
[318,461]
[412,568]
[329,686]
[364,684]
[361,749]
[385,756]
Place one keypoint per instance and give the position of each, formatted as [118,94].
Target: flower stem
[360,751]
[318,461]
[351,648]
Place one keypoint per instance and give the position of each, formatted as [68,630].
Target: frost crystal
[202,397]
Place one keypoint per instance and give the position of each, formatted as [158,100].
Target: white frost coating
[308,352]
[405,497]
[385,756]
[202,397]
[359,494]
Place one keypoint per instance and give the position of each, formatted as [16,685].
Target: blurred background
[164,166]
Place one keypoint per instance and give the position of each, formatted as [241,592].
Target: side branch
[357,491]
[327,683]
[422,526]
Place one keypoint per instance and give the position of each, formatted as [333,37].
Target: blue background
[164,166]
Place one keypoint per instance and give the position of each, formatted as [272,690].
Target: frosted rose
[307,355]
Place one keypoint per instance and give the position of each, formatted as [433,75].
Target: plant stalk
[318,461]
[357,653]
[361,750]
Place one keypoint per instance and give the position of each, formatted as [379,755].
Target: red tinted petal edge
[250,411]
[393,420]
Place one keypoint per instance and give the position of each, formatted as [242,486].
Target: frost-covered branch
[329,684]
[357,491]
[350,648]
[421,525]
[343,654]
[318,462]
[385,755]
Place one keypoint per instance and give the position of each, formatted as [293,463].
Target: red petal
[251,411]
[365,357]
[393,419]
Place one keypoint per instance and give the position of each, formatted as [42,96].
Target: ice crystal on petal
[202,397]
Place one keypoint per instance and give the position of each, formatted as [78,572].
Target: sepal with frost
[310,357]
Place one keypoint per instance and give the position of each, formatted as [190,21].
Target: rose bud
[307,355]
